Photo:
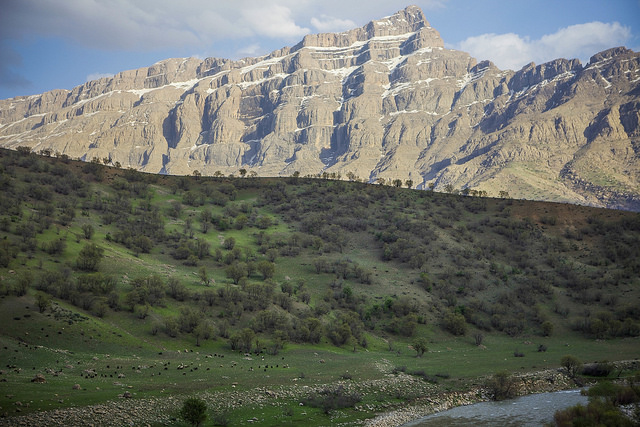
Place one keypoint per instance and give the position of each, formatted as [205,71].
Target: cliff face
[383,101]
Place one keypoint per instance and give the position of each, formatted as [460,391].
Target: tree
[420,346]
[202,248]
[194,411]
[547,328]
[203,331]
[503,194]
[89,257]
[143,244]
[454,323]
[55,246]
[397,183]
[286,288]
[229,243]
[241,221]
[266,268]
[43,301]
[100,308]
[572,364]
[263,222]
[502,386]
[246,339]
[21,284]
[478,337]
[236,271]
[409,183]
[242,172]
[23,150]
[408,324]
[204,277]
[338,332]
[87,229]
[205,220]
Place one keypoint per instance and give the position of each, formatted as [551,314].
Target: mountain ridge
[383,101]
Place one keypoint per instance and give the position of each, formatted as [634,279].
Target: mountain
[387,100]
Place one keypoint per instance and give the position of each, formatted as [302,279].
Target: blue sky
[59,44]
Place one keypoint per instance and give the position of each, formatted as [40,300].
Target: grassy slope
[474,251]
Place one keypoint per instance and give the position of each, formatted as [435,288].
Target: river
[531,410]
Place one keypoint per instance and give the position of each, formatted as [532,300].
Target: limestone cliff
[383,101]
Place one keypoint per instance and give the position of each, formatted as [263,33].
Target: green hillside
[122,289]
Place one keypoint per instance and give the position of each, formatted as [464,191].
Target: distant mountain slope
[383,101]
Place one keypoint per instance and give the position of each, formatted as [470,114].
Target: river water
[532,410]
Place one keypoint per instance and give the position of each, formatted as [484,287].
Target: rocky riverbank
[428,398]
[535,382]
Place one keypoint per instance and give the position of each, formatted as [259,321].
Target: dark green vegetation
[115,273]
[606,400]
[194,411]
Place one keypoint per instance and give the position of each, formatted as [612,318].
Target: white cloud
[96,76]
[505,50]
[273,21]
[250,50]
[511,51]
[585,39]
[327,24]
[159,24]
[149,24]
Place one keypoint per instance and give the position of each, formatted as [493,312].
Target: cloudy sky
[59,44]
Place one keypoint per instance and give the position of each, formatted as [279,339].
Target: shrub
[331,399]
[600,369]
[420,346]
[601,413]
[572,364]
[617,394]
[89,257]
[266,268]
[55,246]
[221,419]
[455,323]
[547,328]
[194,411]
[502,386]
[229,243]
[43,301]
[87,230]
[399,369]
[478,337]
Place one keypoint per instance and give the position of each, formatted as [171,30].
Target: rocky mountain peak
[406,23]
[385,101]
[614,52]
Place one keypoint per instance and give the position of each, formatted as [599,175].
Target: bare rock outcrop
[386,100]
